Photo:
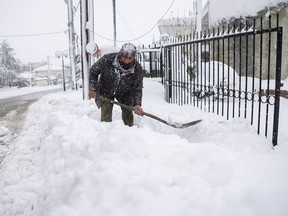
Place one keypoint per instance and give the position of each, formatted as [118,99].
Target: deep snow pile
[67,163]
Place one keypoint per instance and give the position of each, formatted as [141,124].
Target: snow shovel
[177,125]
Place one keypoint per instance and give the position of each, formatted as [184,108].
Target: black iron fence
[233,71]
[151,61]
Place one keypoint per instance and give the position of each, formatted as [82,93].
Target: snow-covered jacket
[110,80]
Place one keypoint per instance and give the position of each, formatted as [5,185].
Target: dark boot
[106,111]
[127,117]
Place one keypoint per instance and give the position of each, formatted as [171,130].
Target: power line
[36,34]
[125,23]
[76,8]
[144,33]
[106,38]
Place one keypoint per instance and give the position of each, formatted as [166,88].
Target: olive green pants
[106,114]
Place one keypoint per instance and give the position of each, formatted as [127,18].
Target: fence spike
[251,29]
[244,28]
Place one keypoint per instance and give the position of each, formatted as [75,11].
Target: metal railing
[151,62]
[233,72]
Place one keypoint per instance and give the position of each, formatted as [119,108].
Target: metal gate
[233,72]
[151,62]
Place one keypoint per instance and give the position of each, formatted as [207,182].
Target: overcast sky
[134,19]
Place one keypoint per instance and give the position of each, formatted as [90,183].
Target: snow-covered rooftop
[232,8]
[51,67]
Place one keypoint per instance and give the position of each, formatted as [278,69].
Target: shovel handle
[131,108]
[147,114]
[115,102]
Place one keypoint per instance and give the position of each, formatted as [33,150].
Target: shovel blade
[187,124]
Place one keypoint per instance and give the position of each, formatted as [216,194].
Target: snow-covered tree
[9,65]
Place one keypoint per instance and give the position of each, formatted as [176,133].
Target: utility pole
[84,41]
[71,41]
[48,69]
[31,74]
[114,21]
[62,54]
[199,30]
[199,16]
[91,28]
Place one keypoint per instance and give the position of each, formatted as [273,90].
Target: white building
[50,75]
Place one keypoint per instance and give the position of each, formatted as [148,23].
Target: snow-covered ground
[66,162]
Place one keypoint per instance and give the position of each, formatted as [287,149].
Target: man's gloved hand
[138,110]
[92,94]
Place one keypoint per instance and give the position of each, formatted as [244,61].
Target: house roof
[25,75]
[51,67]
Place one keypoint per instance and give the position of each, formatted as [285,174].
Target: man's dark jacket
[110,80]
